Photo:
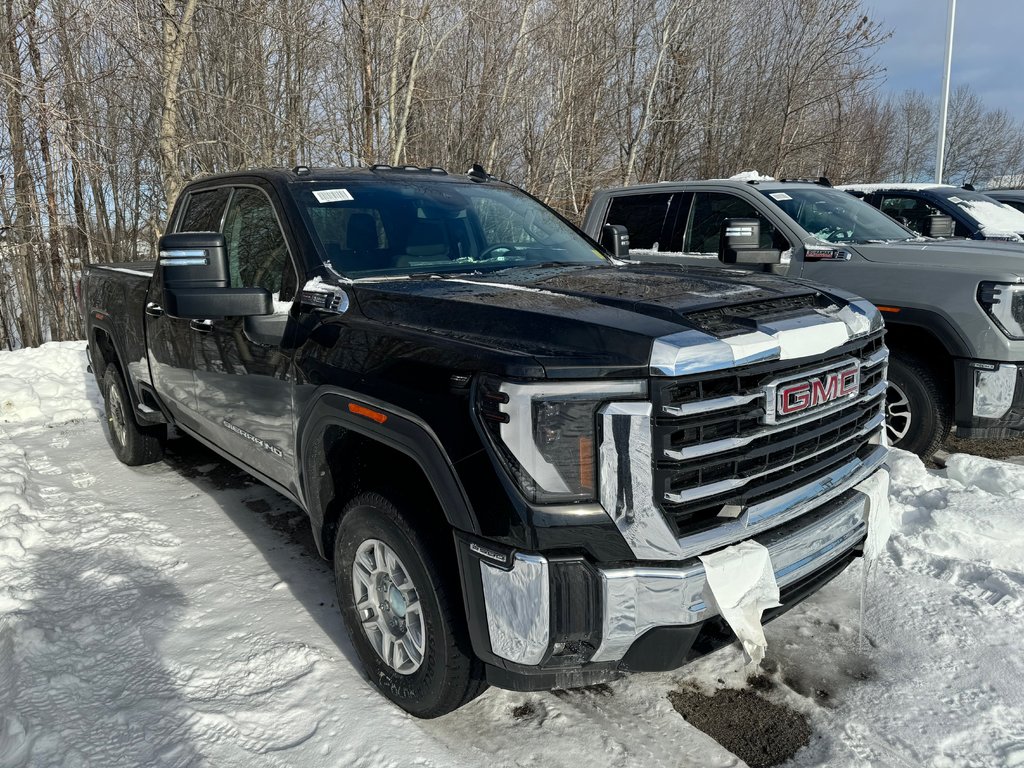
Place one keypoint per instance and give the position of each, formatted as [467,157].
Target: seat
[362,251]
[426,244]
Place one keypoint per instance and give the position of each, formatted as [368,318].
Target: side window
[908,210]
[707,213]
[644,216]
[257,254]
[1018,204]
[204,210]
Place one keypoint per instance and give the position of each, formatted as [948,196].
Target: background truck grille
[712,447]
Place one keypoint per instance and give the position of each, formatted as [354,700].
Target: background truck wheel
[402,613]
[917,410]
[132,444]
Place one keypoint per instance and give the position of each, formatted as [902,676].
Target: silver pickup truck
[954,308]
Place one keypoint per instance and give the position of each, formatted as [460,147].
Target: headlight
[545,433]
[1004,303]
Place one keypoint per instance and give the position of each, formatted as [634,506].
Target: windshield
[835,216]
[992,216]
[372,228]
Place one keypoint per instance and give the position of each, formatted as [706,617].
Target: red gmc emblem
[790,398]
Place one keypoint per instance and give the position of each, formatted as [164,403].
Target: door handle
[203,326]
[153,309]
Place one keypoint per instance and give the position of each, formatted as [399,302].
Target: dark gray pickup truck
[514,449]
[954,309]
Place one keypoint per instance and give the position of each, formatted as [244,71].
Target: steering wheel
[486,252]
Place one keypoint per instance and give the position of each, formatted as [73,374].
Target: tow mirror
[938,225]
[196,278]
[615,239]
[740,243]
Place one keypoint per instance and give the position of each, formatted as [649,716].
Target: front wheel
[132,444]
[917,409]
[403,613]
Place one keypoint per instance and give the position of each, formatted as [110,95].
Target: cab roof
[303,173]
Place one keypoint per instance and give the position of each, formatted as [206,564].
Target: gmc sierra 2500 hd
[513,447]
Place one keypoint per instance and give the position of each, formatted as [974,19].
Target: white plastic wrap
[742,581]
[879,516]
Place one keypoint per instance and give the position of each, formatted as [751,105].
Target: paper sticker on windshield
[956,200]
[332,195]
[779,196]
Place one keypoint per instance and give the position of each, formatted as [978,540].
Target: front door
[243,379]
[170,339]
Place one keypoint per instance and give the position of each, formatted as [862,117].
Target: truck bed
[114,296]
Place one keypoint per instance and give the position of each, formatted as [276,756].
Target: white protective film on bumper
[742,581]
[879,515]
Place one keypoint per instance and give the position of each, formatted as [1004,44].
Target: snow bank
[47,384]
[995,477]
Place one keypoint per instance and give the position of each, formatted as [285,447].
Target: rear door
[243,379]
[169,339]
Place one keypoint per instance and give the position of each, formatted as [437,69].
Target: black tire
[448,675]
[133,444]
[918,405]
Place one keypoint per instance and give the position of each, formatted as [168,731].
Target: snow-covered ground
[177,615]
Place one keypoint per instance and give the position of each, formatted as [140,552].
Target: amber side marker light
[369,413]
[587,464]
[887,309]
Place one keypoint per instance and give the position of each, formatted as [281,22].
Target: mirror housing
[740,241]
[194,260]
[217,303]
[938,225]
[615,239]
[196,277]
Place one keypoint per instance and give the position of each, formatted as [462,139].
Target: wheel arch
[342,455]
[103,352]
[925,335]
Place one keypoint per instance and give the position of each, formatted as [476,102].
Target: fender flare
[934,323]
[403,431]
[103,324]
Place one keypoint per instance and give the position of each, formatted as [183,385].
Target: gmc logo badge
[788,399]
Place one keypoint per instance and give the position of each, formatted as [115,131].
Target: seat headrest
[426,239]
[361,233]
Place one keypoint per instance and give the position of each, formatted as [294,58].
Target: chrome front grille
[714,455]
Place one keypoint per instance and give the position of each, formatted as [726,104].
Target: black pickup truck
[513,447]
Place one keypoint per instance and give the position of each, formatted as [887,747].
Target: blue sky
[988,53]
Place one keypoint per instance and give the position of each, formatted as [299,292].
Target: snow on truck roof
[897,185]
[995,219]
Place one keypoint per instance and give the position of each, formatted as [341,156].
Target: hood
[594,316]
[973,256]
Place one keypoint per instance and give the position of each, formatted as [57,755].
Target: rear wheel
[917,409]
[403,612]
[132,444]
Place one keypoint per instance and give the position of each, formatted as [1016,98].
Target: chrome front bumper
[803,533]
